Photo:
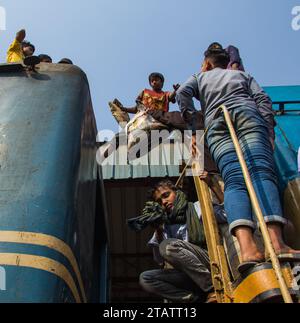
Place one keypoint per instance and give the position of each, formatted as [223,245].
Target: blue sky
[118,43]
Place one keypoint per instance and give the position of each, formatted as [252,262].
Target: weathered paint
[48,179]
[286,157]
[287,134]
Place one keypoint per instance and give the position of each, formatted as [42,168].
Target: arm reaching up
[172,96]
[15,53]
[20,36]
[185,95]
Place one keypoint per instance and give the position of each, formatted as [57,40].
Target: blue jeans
[254,140]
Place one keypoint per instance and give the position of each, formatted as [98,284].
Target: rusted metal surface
[48,179]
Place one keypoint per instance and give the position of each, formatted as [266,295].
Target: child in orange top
[155,99]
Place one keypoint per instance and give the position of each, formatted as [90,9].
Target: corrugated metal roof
[163,161]
[112,170]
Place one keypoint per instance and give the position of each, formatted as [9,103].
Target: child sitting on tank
[19,49]
[156,98]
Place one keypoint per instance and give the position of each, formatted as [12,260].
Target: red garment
[156,101]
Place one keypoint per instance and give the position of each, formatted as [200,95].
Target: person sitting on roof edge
[155,99]
[251,110]
[65,61]
[45,58]
[19,49]
[178,241]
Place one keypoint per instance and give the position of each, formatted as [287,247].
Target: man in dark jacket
[179,241]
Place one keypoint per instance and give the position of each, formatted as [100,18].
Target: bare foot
[256,256]
[279,245]
[249,249]
[286,249]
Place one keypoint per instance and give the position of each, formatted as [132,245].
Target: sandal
[287,257]
[245,266]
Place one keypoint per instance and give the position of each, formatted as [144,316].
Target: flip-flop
[243,267]
[287,257]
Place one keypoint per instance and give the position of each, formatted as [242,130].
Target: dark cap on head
[65,61]
[213,47]
[158,75]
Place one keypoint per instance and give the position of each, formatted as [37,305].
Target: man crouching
[180,242]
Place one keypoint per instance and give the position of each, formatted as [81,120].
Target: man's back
[220,86]
[228,87]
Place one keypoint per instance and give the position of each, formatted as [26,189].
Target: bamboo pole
[182,175]
[219,266]
[255,203]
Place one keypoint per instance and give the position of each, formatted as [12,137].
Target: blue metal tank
[48,186]
[286,101]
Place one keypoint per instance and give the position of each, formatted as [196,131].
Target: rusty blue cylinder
[48,185]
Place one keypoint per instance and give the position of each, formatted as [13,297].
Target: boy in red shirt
[155,99]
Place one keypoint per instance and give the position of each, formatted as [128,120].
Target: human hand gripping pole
[194,148]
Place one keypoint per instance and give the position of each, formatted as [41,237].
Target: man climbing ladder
[251,112]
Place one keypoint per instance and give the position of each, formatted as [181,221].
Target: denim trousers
[253,136]
[189,281]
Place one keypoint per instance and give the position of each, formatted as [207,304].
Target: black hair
[28,44]
[65,61]
[164,183]
[45,57]
[218,57]
[158,75]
